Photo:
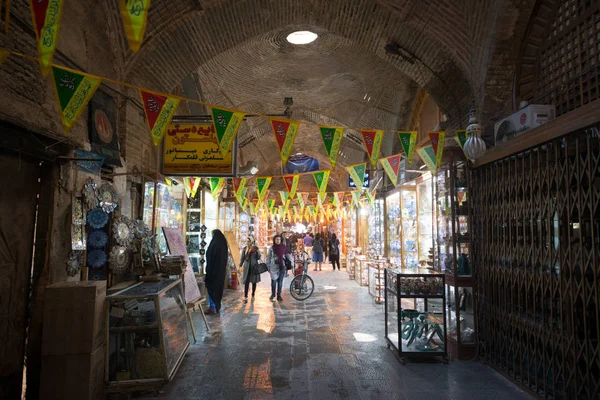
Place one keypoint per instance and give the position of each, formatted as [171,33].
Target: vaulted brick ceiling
[235,54]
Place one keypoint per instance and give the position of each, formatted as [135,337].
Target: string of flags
[73,90]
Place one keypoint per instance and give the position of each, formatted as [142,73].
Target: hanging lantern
[474,147]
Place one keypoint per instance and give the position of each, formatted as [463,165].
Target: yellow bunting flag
[46,16]
[242,196]
[159,111]
[135,15]
[252,207]
[295,213]
[391,165]
[285,134]
[429,158]
[262,185]
[408,140]
[216,186]
[191,186]
[370,197]
[227,123]
[3,55]
[321,197]
[73,92]
[284,196]
[302,200]
[339,196]
[372,140]
[291,183]
[438,139]
[357,173]
[356,194]
[321,179]
[270,205]
[239,184]
[332,138]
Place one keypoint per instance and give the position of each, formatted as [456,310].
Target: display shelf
[453,245]
[375,227]
[419,331]
[147,335]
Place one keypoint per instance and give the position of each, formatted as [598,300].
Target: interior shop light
[302,37]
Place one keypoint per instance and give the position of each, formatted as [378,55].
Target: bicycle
[302,286]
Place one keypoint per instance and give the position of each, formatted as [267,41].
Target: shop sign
[192,149]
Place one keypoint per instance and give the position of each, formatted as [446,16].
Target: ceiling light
[302,37]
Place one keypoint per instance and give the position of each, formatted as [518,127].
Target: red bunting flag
[438,140]
[46,16]
[391,165]
[159,111]
[285,135]
[372,140]
[291,183]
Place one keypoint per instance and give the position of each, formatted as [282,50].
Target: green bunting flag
[429,158]
[291,183]
[461,138]
[391,166]
[356,197]
[321,179]
[159,111]
[270,205]
[244,204]
[408,140]
[332,138]
[370,197]
[357,173]
[216,186]
[242,195]
[302,199]
[262,185]
[284,196]
[372,140]
[227,123]
[73,92]
[438,140]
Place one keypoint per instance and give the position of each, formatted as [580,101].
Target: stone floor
[328,347]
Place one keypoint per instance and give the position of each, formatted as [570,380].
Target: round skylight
[302,37]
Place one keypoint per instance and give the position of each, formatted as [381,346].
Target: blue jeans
[277,283]
[211,303]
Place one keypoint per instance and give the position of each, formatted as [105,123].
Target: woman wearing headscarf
[275,261]
[334,251]
[250,259]
[216,267]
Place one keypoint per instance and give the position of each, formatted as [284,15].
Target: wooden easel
[191,307]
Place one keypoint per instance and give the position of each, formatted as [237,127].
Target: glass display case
[350,225]
[454,245]
[195,233]
[415,321]
[376,280]
[394,228]
[410,231]
[227,217]
[167,213]
[375,225]
[147,334]
[351,255]
[425,220]
[362,270]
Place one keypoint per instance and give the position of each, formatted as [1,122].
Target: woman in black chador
[216,267]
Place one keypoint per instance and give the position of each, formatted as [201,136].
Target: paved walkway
[328,347]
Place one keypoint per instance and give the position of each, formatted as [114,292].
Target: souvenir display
[243,229]
[78,220]
[375,247]
[97,239]
[74,263]
[107,198]
[147,334]
[78,239]
[394,229]
[96,259]
[119,260]
[376,280]
[78,216]
[123,230]
[97,218]
[415,321]
[454,258]
[425,220]
[90,197]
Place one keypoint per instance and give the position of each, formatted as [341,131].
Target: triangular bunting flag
[285,134]
[244,204]
[429,158]
[159,111]
[252,207]
[291,183]
[370,197]
[391,165]
[332,138]
[270,205]
[461,138]
[321,197]
[216,186]
[340,198]
[284,196]
[408,140]
[372,140]
[73,91]
[3,55]
[134,14]
[295,213]
[239,184]
[46,16]
[242,195]
[438,140]
[302,199]
[321,179]
[357,173]
[227,123]
[262,184]
[356,197]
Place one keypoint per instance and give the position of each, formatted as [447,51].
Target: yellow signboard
[192,149]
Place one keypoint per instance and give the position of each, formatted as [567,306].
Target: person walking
[325,238]
[276,263]
[308,242]
[217,256]
[250,260]
[318,252]
[334,251]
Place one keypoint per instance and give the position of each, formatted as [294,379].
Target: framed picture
[103,128]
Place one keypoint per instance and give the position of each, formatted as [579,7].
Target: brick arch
[172,50]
